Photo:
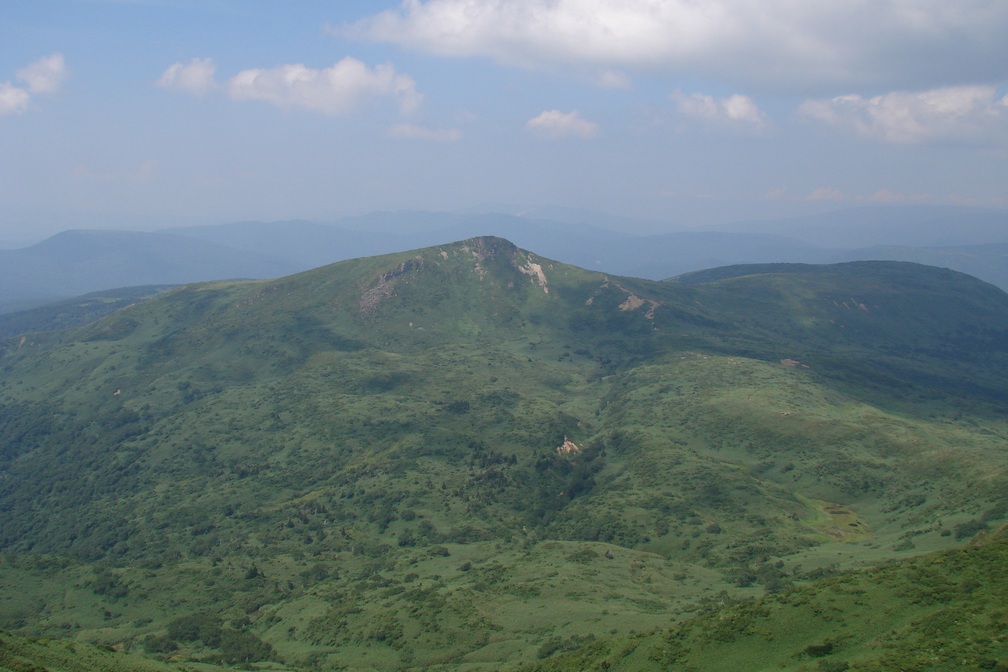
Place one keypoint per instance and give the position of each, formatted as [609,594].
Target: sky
[685,113]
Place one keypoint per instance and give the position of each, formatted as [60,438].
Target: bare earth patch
[568,448]
[536,272]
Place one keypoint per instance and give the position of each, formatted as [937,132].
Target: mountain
[301,245]
[463,455]
[308,245]
[968,240]
[988,262]
[75,262]
[890,225]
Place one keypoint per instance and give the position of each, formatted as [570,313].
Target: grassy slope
[944,611]
[357,464]
[23,654]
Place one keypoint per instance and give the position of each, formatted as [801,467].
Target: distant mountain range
[76,262]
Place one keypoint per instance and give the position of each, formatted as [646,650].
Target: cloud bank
[962,113]
[780,44]
[335,90]
[44,76]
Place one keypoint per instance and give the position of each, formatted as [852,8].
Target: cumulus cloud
[776,43]
[962,113]
[334,90]
[736,109]
[338,89]
[12,99]
[196,76]
[557,124]
[44,76]
[411,131]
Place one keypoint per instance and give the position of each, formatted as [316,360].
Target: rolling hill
[471,456]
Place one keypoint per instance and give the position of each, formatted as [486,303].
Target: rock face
[488,248]
[568,448]
[487,257]
[383,287]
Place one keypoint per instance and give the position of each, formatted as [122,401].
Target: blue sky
[145,113]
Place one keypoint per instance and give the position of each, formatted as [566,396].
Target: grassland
[469,457]
[944,611]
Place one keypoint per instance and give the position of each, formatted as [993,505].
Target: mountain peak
[489,258]
[491,246]
[485,248]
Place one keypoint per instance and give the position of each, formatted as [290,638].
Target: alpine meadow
[471,457]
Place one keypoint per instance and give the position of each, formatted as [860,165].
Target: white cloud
[196,76]
[962,113]
[338,89]
[43,76]
[556,124]
[421,133]
[12,99]
[334,90]
[785,44]
[736,109]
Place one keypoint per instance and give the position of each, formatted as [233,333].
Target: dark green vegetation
[469,456]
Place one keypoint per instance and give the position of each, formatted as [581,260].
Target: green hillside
[455,457]
[944,611]
[28,654]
